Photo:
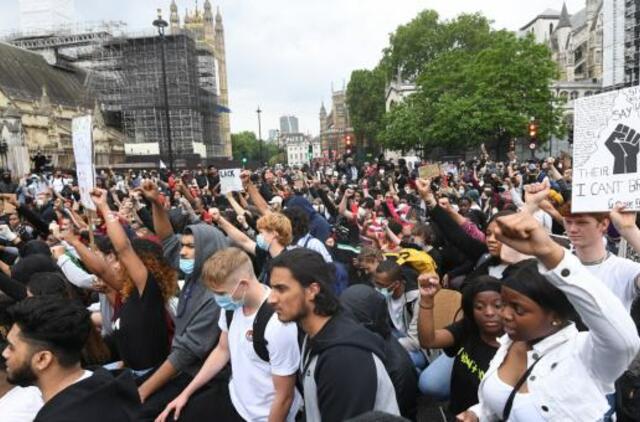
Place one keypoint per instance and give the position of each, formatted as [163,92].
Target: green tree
[246,145]
[366,102]
[416,44]
[471,97]
[474,93]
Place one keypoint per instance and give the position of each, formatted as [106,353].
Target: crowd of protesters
[336,291]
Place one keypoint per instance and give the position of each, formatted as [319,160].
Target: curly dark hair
[152,257]
[56,324]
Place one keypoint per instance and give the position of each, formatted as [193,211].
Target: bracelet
[425,307]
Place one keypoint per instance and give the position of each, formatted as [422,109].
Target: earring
[555,323]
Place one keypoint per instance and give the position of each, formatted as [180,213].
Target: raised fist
[624,145]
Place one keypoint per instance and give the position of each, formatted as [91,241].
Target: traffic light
[348,144]
[533,129]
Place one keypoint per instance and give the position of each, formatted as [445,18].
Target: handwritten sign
[605,151]
[429,171]
[230,181]
[82,137]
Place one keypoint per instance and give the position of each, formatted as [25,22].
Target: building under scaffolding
[125,73]
[632,42]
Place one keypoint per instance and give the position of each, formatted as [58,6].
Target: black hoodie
[101,397]
[369,308]
[343,373]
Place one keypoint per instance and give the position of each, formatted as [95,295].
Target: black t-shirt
[472,357]
[261,265]
[142,329]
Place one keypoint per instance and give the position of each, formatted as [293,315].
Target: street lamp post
[161,24]
[260,134]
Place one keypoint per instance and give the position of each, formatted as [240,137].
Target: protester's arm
[625,223]
[284,387]
[94,263]
[136,269]
[216,361]
[234,204]
[76,275]
[161,222]
[257,199]
[40,225]
[342,208]
[238,237]
[429,337]
[328,203]
[612,332]
[146,217]
[159,379]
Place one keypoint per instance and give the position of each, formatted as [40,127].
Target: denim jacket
[577,369]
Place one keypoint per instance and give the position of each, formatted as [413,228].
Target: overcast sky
[284,54]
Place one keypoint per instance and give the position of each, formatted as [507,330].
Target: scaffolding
[632,42]
[124,73]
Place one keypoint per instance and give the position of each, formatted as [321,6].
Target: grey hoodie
[197,329]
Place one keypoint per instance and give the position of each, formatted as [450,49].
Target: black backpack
[259,326]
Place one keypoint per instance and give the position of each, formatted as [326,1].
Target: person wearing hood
[319,227]
[403,307]
[341,359]
[6,184]
[369,308]
[45,347]
[196,331]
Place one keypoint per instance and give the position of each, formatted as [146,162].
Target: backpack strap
[229,317]
[259,326]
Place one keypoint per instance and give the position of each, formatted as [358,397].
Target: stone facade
[335,126]
[36,112]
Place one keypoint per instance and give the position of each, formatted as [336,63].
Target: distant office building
[38,16]
[288,124]
[273,135]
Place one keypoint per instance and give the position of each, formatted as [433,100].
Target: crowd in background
[334,291]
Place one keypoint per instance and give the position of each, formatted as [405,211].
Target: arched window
[564,94]
[550,28]
[588,94]
[574,95]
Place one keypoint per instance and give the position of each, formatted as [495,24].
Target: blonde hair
[223,264]
[278,223]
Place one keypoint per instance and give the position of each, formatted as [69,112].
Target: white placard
[605,151]
[82,135]
[230,181]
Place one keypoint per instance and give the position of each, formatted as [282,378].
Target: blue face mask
[385,292]
[262,243]
[186,265]
[226,301]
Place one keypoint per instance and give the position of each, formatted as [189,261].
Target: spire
[174,19]
[218,15]
[208,16]
[565,21]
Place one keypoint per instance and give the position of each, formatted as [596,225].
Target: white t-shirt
[21,404]
[619,275]
[396,312]
[251,386]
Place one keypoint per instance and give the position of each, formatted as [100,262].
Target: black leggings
[211,403]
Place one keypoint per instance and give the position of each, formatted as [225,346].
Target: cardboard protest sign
[82,137]
[605,151]
[230,181]
[429,171]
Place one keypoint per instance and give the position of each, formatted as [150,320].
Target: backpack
[259,326]
[265,312]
